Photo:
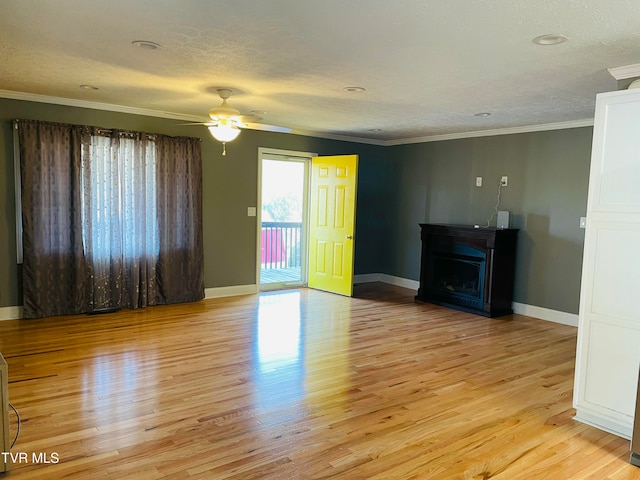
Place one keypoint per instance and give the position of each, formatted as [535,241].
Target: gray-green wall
[546,195]
[229,187]
[398,187]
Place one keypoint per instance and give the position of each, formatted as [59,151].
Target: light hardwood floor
[301,384]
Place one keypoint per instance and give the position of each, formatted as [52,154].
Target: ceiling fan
[227,122]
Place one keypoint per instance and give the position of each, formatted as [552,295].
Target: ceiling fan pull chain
[224,149]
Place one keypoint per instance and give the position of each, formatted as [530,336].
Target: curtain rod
[104,131]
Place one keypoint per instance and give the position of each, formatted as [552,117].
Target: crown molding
[587,122]
[341,138]
[71,102]
[624,72]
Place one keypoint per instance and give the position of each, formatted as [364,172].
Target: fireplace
[468,268]
[458,275]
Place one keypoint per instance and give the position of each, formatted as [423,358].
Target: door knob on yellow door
[349,237]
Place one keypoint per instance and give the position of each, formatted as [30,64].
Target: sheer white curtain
[120,228]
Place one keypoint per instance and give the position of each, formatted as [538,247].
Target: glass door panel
[283,230]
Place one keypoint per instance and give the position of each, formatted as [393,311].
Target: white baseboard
[219,292]
[367,278]
[400,282]
[608,425]
[10,313]
[384,278]
[547,314]
[555,316]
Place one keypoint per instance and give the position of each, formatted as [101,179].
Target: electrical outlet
[504,181]
[478,181]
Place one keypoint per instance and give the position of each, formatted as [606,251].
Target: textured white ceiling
[427,65]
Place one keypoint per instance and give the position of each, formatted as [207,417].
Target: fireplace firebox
[457,274]
[468,268]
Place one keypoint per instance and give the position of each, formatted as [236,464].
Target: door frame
[292,155]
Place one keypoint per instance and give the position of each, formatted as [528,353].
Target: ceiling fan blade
[208,124]
[266,128]
[245,119]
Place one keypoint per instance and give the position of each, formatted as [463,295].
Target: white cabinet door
[608,353]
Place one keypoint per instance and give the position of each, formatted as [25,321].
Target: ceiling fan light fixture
[224,132]
[227,123]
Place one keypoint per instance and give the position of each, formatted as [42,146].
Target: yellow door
[332,223]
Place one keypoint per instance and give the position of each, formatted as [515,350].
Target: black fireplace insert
[457,275]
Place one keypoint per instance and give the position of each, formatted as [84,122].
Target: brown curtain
[54,268]
[180,268]
[132,210]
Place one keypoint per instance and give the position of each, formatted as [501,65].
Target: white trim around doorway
[278,154]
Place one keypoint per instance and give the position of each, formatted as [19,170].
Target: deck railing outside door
[281,245]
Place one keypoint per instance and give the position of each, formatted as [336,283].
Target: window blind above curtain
[111,219]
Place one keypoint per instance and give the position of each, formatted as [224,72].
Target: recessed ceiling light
[89,87]
[146,44]
[354,89]
[375,129]
[258,112]
[550,39]
[482,114]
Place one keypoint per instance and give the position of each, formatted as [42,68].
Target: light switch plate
[251,211]
[583,222]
